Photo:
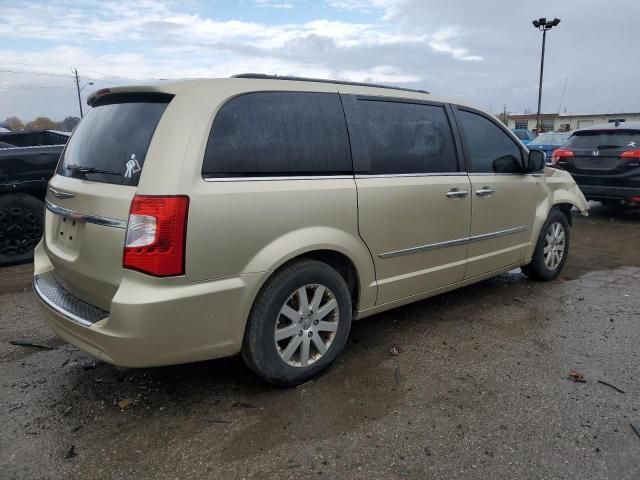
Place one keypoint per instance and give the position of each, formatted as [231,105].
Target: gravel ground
[479,389]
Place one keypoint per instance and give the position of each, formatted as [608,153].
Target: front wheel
[299,323]
[551,249]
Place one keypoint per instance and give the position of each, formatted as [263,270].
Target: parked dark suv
[27,161]
[604,160]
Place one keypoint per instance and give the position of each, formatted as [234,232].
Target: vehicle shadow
[386,355]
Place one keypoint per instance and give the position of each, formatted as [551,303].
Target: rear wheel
[21,226]
[299,323]
[551,249]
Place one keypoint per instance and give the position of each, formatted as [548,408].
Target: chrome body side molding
[452,243]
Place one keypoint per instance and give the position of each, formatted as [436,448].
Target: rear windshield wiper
[85,170]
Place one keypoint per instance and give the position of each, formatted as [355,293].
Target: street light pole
[543,25]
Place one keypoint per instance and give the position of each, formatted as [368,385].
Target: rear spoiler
[108,96]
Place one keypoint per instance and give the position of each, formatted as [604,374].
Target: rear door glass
[111,142]
[403,138]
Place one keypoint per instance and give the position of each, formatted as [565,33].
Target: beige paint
[240,231]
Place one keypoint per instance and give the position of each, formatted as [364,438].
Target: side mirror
[536,160]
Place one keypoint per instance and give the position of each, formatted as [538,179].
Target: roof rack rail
[322,80]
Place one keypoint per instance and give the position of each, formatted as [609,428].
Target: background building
[566,121]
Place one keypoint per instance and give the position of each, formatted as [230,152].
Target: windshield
[550,139]
[110,143]
[603,139]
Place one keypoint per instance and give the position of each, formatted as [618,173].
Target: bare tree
[43,123]
[14,124]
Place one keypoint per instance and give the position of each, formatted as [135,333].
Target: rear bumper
[597,192]
[155,322]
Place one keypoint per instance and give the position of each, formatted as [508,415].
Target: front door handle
[455,193]
[485,192]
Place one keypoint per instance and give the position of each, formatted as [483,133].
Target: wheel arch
[339,249]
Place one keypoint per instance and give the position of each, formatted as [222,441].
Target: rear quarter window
[113,138]
[278,134]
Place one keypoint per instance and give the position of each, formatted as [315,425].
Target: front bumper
[598,192]
[152,321]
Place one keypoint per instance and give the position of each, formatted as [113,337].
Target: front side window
[406,138]
[278,134]
[490,149]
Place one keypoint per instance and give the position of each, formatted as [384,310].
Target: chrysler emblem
[595,153]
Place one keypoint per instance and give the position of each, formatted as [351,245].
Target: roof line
[322,80]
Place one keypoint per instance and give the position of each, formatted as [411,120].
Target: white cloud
[441,42]
[273,4]
[171,39]
[389,7]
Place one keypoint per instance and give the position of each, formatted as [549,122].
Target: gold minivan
[260,215]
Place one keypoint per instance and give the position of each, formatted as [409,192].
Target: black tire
[538,269]
[259,349]
[21,227]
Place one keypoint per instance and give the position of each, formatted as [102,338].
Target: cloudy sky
[481,51]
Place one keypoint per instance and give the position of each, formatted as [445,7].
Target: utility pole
[78,89]
[543,25]
[504,115]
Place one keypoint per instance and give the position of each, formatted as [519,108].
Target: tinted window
[603,139]
[491,149]
[407,138]
[112,138]
[281,133]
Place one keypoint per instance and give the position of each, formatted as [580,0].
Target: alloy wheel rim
[306,325]
[554,245]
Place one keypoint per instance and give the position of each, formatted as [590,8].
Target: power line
[36,73]
[53,66]
[32,64]
[5,87]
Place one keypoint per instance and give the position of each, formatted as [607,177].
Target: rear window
[278,134]
[521,134]
[604,139]
[110,144]
[550,139]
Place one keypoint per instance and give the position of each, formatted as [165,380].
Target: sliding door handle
[455,193]
[485,192]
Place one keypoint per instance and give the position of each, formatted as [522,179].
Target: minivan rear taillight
[631,154]
[560,154]
[156,235]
